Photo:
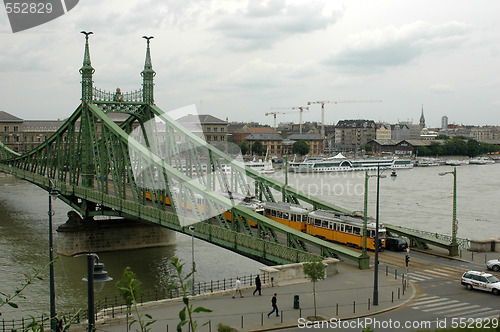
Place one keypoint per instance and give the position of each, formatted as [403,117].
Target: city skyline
[238,60]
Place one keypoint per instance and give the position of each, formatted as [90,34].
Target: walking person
[258,285]
[237,288]
[274,302]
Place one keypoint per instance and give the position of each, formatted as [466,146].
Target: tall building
[444,122]
[351,135]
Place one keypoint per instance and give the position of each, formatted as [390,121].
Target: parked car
[481,280]
[493,264]
[395,243]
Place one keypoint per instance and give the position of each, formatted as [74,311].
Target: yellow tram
[288,214]
[341,228]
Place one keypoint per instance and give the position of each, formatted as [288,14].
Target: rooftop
[7,117]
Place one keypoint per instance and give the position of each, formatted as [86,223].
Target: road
[440,301]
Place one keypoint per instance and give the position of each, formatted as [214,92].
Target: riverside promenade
[346,295]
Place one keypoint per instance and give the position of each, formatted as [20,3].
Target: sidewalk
[345,295]
[464,255]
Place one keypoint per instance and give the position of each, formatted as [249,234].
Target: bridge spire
[86,71]
[147,76]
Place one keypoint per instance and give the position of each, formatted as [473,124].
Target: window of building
[16,128]
[7,139]
[6,128]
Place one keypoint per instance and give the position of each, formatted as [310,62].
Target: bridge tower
[147,76]
[88,171]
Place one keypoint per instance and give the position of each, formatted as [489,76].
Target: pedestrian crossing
[444,307]
[442,272]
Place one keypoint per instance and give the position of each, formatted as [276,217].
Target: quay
[341,296]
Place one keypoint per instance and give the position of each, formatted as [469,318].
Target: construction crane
[300,108]
[274,114]
[323,102]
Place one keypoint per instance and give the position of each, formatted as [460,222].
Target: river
[418,198]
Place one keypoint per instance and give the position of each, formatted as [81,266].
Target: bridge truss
[152,168]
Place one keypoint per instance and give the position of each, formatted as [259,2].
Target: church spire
[147,76]
[422,119]
[86,71]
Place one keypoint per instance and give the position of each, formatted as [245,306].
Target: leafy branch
[129,287]
[18,292]
[178,265]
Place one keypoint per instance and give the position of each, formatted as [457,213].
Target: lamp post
[95,273]
[454,226]
[191,228]
[377,245]
[53,193]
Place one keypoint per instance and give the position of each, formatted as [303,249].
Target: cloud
[392,46]
[261,75]
[263,23]
[441,88]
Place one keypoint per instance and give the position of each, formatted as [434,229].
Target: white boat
[481,161]
[261,166]
[339,163]
[427,162]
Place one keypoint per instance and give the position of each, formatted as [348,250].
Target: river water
[418,198]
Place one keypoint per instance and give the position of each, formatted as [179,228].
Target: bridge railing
[463,244]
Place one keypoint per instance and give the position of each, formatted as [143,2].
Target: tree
[300,147]
[257,148]
[244,148]
[315,270]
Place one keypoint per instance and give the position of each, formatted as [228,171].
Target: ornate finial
[87,70]
[148,38]
[87,34]
[147,75]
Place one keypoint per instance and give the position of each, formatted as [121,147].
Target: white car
[481,280]
[494,265]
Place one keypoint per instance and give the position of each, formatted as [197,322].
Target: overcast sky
[238,59]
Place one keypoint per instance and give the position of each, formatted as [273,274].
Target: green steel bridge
[152,168]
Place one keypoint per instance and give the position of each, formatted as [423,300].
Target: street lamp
[454,225]
[377,246]
[53,193]
[95,273]
[191,228]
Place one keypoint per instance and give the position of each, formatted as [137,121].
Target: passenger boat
[261,166]
[481,161]
[341,164]
[341,228]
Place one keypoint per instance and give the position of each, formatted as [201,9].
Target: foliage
[442,136]
[300,147]
[244,148]
[64,321]
[257,148]
[28,280]
[314,270]
[188,308]
[225,328]
[129,288]
[457,146]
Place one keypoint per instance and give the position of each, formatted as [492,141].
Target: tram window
[335,226]
[341,227]
[267,212]
[293,218]
[348,229]
[278,214]
[285,215]
[330,225]
[324,224]
[357,230]
[317,222]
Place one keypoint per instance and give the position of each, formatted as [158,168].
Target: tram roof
[286,207]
